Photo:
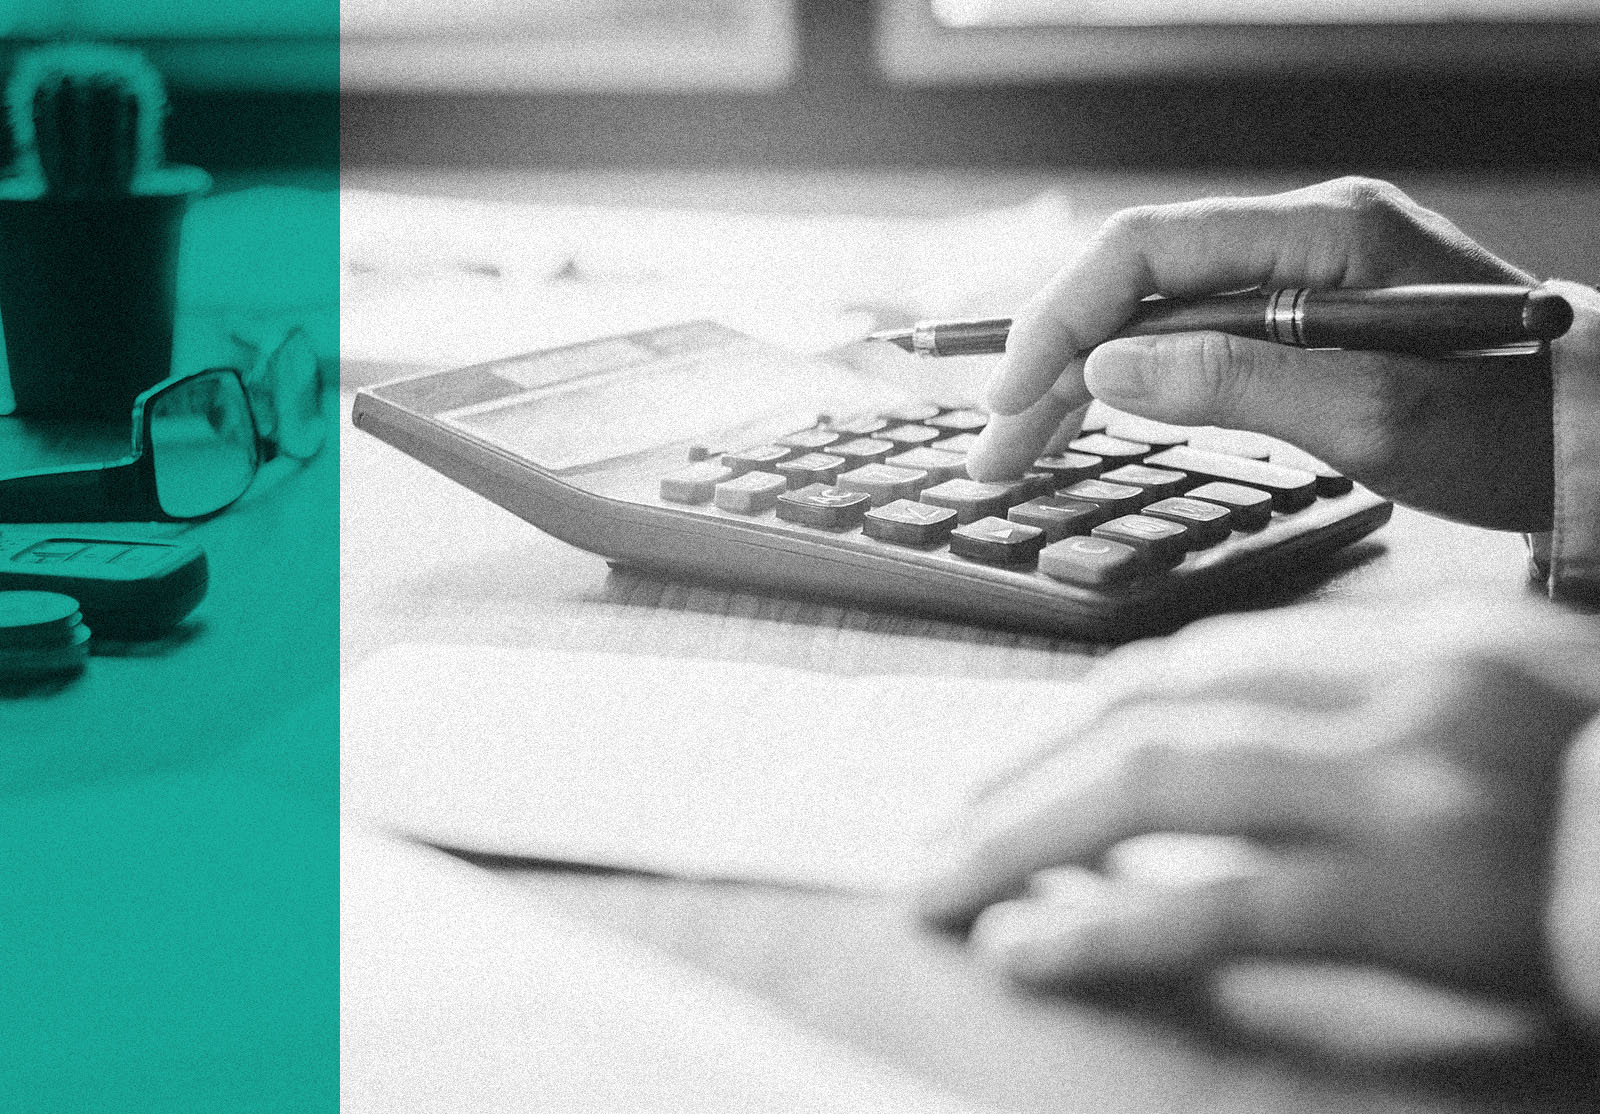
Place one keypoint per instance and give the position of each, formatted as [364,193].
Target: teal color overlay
[169,818]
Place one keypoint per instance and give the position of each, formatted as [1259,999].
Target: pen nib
[900,338]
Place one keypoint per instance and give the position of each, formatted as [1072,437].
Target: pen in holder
[89,232]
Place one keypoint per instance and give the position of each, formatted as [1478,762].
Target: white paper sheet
[459,993]
[691,768]
[438,282]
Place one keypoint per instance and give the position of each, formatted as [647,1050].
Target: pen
[1440,320]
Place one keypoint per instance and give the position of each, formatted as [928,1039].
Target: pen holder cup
[88,293]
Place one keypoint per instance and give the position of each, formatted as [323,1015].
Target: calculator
[696,452]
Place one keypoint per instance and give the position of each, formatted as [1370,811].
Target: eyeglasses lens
[202,445]
[288,397]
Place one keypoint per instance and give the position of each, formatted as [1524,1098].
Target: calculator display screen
[631,399]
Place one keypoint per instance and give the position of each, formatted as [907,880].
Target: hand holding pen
[1459,438]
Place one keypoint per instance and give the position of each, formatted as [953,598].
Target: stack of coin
[41,633]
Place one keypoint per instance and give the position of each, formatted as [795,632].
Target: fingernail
[1118,369]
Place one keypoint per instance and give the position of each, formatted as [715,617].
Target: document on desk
[460,993]
[437,282]
[684,767]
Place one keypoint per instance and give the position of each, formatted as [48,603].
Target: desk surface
[424,559]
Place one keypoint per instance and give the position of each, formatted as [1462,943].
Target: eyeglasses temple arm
[90,493]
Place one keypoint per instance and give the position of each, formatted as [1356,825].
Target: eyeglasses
[198,440]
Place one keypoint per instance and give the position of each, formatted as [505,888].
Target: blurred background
[1382,85]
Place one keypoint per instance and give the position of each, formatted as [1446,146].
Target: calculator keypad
[1127,499]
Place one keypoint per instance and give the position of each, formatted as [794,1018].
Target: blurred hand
[1467,440]
[1358,785]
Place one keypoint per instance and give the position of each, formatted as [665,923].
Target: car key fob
[127,588]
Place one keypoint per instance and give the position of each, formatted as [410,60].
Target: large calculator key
[884,483]
[1290,488]
[911,412]
[1161,541]
[756,458]
[1111,498]
[1158,483]
[861,426]
[960,421]
[810,439]
[910,436]
[751,493]
[1146,431]
[812,468]
[972,500]
[1069,468]
[960,443]
[1058,518]
[995,541]
[1250,506]
[939,465]
[1233,442]
[820,505]
[1114,449]
[1208,523]
[1329,482]
[1092,562]
[1097,417]
[863,450]
[905,522]
[694,483]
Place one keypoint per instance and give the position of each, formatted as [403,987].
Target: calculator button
[996,541]
[1097,417]
[910,436]
[1058,518]
[884,482]
[1251,507]
[1089,561]
[812,468]
[1290,488]
[906,522]
[1144,431]
[1208,523]
[860,427]
[960,443]
[695,483]
[756,457]
[820,505]
[1233,442]
[1329,482]
[972,500]
[811,439]
[959,421]
[1158,539]
[1112,498]
[911,412]
[1070,467]
[1114,449]
[939,465]
[1036,484]
[863,450]
[751,493]
[1158,483]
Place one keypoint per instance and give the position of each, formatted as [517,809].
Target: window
[566,44]
[972,41]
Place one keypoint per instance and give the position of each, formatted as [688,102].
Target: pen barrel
[1431,320]
[963,338]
